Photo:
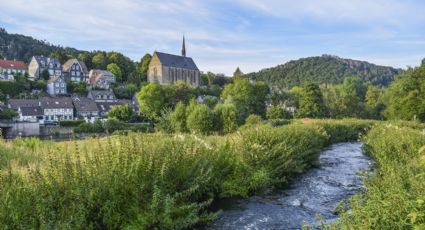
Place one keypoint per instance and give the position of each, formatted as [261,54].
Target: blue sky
[222,35]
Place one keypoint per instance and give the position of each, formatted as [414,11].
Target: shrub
[121,112]
[71,123]
[96,127]
[278,122]
[178,118]
[200,120]
[394,196]
[253,120]
[226,121]
[277,112]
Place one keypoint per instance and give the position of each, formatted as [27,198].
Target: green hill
[16,46]
[324,69]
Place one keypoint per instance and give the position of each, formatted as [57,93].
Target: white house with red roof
[9,68]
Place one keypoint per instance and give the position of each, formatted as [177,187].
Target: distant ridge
[324,69]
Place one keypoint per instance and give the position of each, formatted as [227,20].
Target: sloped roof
[9,64]
[53,79]
[32,111]
[47,60]
[101,93]
[67,66]
[176,61]
[84,104]
[57,102]
[16,103]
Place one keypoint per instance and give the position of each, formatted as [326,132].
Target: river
[317,191]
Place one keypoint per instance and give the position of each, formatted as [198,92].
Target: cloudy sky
[221,35]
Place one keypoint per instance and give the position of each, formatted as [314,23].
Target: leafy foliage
[201,120]
[406,96]
[325,69]
[121,112]
[394,195]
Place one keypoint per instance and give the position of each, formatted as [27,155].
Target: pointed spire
[184,48]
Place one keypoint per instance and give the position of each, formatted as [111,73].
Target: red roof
[8,64]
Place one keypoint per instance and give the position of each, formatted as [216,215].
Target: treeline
[174,109]
[325,69]
[404,99]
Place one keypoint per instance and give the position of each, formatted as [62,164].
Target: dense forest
[21,47]
[325,69]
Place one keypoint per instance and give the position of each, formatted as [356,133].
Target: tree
[60,55]
[277,112]
[86,57]
[40,84]
[248,98]
[406,96]
[143,66]
[115,70]
[121,112]
[226,118]
[45,75]
[201,120]
[238,73]
[311,102]
[7,114]
[99,60]
[178,118]
[374,101]
[151,100]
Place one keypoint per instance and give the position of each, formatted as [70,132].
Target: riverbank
[318,191]
[394,197]
[147,181]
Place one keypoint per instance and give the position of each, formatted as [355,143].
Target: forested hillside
[16,46]
[324,69]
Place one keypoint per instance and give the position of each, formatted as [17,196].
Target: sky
[222,35]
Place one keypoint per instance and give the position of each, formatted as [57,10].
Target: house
[30,114]
[40,63]
[102,95]
[56,86]
[58,108]
[16,103]
[168,69]
[85,108]
[75,71]
[9,68]
[101,79]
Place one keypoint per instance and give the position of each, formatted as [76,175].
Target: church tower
[184,48]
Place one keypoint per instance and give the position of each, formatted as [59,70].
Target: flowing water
[318,191]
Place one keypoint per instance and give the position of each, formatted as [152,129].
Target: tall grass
[148,181]
[395,195]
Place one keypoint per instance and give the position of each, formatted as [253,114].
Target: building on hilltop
[168,69]
[40,63]
[75,71]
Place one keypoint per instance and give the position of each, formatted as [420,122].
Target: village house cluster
[60,105]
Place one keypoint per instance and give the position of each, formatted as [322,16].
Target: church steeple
[184,48]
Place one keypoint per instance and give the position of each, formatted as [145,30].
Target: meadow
[154,181]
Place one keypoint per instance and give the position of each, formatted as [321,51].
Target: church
[168,69]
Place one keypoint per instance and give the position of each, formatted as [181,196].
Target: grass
[152,181]
[394,197]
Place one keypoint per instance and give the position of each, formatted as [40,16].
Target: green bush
[201,120]
[95,127]
[394,196]
[178,118]
[253,120]
[226,118]
[71,123]
[278,122]
[148,181]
